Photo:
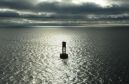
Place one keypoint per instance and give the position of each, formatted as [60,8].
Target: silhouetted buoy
[63,55]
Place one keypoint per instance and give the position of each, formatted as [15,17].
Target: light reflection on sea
[31,56]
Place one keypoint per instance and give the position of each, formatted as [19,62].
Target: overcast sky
[83,9]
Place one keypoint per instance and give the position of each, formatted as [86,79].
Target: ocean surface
[97,55]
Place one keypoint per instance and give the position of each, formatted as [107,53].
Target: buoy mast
[63,47]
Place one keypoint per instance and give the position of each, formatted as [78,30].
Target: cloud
[16,4]
[118,1]
[59,7]
[59,10]
[9,14]
[87,8]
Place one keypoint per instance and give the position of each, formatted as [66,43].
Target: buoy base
[64,56]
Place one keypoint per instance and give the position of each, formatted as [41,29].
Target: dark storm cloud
[9,14]
[15,4]
[65,10]
[87,8]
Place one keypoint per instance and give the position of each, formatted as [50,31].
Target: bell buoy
[63,55]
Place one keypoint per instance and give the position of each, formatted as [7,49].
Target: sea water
[96,55]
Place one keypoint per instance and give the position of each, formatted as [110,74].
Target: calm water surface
[96,56]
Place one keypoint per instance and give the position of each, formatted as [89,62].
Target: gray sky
[83,9]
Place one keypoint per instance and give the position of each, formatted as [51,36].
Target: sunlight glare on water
[59,71]
[32,56]
[35,56]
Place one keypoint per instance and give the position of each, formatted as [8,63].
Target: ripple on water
[31,56]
